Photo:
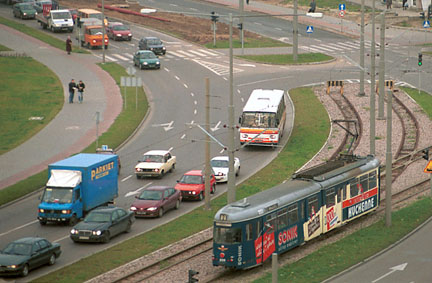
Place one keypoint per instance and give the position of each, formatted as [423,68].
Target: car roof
[150,37]
[115,24]
[155,152]
[194,172]
[105,209]
[157,188]
[28,240]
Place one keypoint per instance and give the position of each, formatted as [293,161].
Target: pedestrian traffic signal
[192,273]
[214,17]
[240,26]
[426,154]
[247,2]
[420,59]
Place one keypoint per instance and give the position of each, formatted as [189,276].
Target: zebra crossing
[190,54]
[336,47]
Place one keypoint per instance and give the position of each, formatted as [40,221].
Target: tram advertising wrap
[313,202]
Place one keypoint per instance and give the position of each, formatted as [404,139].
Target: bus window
[313,206]
[372,180]
[282,218]
[293,214]
[249,230]
[224,235]
[330,197]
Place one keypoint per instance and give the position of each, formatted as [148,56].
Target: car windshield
[96,216]
[96,16]
[96,31]
[120,27]
[151,195]
[57,195]
[61,15]
[147,55]
[151,158]
[191,179]
[27,7]
[154,41]
[219,163]
[18,249]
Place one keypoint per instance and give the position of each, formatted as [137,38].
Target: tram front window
[227,235]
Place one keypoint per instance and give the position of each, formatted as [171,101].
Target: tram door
[265,244]
[314,215]
[333,207]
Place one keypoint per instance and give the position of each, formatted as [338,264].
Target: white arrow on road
[399,267]
[138,190]
[167,126]
[216,127]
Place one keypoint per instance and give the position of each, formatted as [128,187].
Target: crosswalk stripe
[169,56]
[111,58]
[120,57]
[197,53]
[332,46]
[322,47]
[185,53]
[348,45]
[176,54]
[208,52]
[311,49]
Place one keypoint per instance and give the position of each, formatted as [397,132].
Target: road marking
[260,24]
[195,112]
[167,126]
[108,57]
[195,102]
[120,57]
[192,94]
[399,267]
[137,190]
[197,53]
[177,54]
[182,137]
[278,29]
[19,227]
[177,78]
[61,239]
[126,178]
[187,54]
[171,148]
[166,69]
[216,127]
[209,53]
[185,85]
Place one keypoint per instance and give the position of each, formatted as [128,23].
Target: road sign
[131,71]
[342,13]
[105,147]
[341,7]
[428,168]
[426,24]
[309,29]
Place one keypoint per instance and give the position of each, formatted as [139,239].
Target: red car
[155,201]
[192,185]
[119,31]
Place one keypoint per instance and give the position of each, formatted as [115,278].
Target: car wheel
[25,271]
[238,172]
[201,196]
[177,204]
[73,220]
[138,177]
[22,17]
[161,174]
[52,260]
[88,45]
[106,237]
[161,212]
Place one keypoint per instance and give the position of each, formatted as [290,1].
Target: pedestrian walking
[312,6]
[81,87]
[68,45]
[72,87]
[404,4]
[389,4]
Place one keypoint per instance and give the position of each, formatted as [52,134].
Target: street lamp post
[231,175]
[103,32]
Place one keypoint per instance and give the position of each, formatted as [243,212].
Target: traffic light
[420,59]
[240,26]
[247,2]
[192,273]
[214,17]
[426,154]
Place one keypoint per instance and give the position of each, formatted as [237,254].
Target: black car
[153,44]
[22,255]
[101,224]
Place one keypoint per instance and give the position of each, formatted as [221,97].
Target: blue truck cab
[76,185]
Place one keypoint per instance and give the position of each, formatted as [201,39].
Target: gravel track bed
[409,177]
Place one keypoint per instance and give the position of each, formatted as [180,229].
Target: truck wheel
[73,220]
[42,222]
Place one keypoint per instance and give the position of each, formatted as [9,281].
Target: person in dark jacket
[68,45]
[72,87]
[312,6]
[81,87]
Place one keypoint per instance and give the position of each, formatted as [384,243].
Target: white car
[155,163]
[220,167]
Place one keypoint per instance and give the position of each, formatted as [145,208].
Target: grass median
[311,128]
[124,125]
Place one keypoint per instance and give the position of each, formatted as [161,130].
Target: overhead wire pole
[241,20]
[362,63]
[103,32]
[207,146]
[372,90]
[381,70]
[231,176]
[388,186]
[295,33]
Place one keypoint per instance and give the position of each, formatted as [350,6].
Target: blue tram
[312,202]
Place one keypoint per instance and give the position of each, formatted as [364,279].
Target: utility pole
[241,21]
[207,146]
[382,70]
[372,91]
[388,182]
[362,63]
[231,176]
[295,33]
[103,32]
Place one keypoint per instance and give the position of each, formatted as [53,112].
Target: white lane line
[185,53]
[19,227]
[137,190]
[185,85]
[126,178]
[171,148]
[197,53]
[61,239]
[195,112]
[177,78]
[260,24]
[182,137]
[195,102]
[166,69]
[278,29]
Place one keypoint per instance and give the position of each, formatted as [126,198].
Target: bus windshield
[258,120]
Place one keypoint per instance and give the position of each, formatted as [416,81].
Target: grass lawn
[29,91]
[123,127]
[311,128]
[249,43]
[287,59]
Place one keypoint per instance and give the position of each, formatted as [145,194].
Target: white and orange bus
[263,118]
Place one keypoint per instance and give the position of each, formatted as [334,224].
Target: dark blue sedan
[22,255]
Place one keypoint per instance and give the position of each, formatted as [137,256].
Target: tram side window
[258,229]
[339,193]
[249,232]
[293,214]
[372,180]
[354,187]
[330,197]
[270,224]
[312,206]
[282,219]
[344,192]
[364,183]
[227,235]
[302,210]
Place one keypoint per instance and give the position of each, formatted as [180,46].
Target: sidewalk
[74,127]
